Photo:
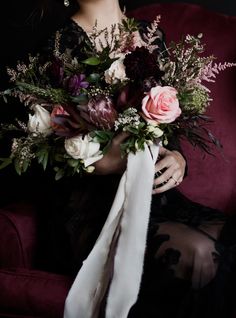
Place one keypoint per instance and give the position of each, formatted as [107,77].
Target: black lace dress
[190,248]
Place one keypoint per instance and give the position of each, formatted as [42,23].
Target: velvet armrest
[32,294]
[17,235]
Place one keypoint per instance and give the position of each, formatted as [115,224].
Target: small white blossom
[130,117]
[155,130]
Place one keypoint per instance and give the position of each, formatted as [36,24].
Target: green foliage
[130,25]
[92,61]
[104,137]
[5,162]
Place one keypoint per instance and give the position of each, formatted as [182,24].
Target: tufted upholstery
[27,292]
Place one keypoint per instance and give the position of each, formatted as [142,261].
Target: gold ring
[176,182]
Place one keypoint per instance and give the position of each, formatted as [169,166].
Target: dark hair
[48,5]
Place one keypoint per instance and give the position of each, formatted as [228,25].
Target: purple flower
[102,112]
[74,83]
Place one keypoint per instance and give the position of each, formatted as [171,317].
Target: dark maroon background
[224,6]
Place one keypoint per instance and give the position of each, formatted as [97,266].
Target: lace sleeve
[71,37]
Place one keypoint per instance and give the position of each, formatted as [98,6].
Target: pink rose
[161,104]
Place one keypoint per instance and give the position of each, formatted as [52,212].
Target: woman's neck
[102,12]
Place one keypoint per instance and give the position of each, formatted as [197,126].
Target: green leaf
[60,173]
[5,99]
[92,61]
[45,160]
[43,155]
[93,78]
[17,167]
[102,136]
[25,165]
[72,163]
[59,157]
[80,99]
[5,162]
[132,130]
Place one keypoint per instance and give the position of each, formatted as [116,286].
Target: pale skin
[107,13]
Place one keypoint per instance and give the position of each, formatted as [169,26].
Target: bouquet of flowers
[75,107]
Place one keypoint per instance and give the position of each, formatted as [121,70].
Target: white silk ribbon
[113,269]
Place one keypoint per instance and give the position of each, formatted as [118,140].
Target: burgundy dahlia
[141,64]
[102,112]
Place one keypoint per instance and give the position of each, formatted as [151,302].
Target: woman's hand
[112,161]
[173,165]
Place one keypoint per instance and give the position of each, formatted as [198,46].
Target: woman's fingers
[169,170]
[166,186]
[113,161]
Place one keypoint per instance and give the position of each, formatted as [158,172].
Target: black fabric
[190,253]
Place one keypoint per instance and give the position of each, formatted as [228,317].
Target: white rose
[40,121]
[84,148]
[116,72]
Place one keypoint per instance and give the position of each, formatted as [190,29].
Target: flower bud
[102,112]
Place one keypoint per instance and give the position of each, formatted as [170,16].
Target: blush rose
[161,104]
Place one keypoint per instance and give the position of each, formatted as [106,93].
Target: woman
[187,265]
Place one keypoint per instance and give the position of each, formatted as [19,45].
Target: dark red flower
[141,64]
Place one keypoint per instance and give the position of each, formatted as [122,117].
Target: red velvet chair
[27,292]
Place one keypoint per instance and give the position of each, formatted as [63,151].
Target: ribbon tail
[114,267]
[85,293]
[129,258]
